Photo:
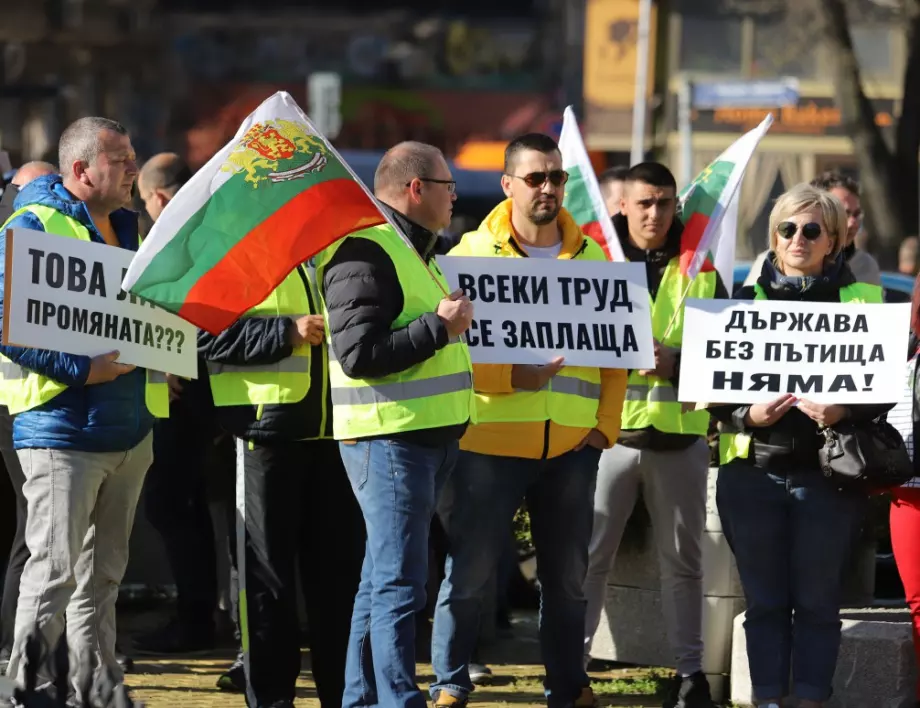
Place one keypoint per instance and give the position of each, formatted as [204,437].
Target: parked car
[896,287]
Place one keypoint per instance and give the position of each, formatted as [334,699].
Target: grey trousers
[673,486]
[80,513]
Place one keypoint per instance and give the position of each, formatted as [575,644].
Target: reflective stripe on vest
[738,445]
[285,381]
[22,390]
[571,398]
[435,393]
[651,402]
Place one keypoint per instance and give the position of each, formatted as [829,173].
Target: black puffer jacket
[252,341]
[794,438]
[363,297]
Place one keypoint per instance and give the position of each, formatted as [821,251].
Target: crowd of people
[348,411]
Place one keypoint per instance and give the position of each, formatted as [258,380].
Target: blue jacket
[109,417]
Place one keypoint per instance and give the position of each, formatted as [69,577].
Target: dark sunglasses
[535,180]
[811,231]
[451,184]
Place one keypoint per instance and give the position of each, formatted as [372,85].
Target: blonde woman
[791,528]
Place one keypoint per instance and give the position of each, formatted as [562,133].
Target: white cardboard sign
[742,351]
[63,294]
[530,310]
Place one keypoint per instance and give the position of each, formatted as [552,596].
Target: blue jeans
[397,485]
[791,535]
[487,492]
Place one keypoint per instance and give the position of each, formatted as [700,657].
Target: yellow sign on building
[611,37]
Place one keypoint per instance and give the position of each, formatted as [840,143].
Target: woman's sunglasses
[811,231]
[535,180]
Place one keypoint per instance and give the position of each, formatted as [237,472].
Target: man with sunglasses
[661,450]
[540,434]
[862,264]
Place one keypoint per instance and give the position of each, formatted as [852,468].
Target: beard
[544,211]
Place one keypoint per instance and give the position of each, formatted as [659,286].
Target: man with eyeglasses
[402,397]
[861,263]
[540,434]
[662,450]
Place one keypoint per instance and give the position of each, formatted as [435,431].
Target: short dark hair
[530,141]
[612,174]
[652,173]
[826,181]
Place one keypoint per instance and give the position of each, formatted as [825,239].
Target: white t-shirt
[543,251]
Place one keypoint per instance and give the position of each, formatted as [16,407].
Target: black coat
[363,297]
[794,438]
[253,341]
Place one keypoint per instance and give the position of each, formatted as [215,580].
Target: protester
[908,256]
[661,450]
[19,551]
[24,175]
[905,501]
[532,440]
[611,182]
[270,381]
[402,398]
[790,528]
[82,432]
[863,266]
[175,491]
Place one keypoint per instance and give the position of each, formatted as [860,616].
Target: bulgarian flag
[708,237]
[272,198]
[583,198]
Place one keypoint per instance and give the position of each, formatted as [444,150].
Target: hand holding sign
[309,329]
[665,362]
[533,377]
[105,368]
[456,312]
[823,414]
[763,415]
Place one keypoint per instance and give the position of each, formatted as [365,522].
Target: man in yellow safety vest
[402,398]
[83,425]
[539,435]
[662,450]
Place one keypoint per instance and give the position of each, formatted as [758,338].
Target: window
[710,45]
[780,52]
[873,47]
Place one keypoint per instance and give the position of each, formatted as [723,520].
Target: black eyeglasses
[811,231]
[534,180]
[451,183]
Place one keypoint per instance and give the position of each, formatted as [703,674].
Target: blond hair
[804,197]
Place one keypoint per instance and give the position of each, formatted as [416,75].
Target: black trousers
[176,504]
[19,552]
[299,511]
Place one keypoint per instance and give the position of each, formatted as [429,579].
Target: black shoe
[124,661]
[480,674]
[282,704]
[176,638]
[233,679]
[690,692]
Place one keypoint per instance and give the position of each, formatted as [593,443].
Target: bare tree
[888,172]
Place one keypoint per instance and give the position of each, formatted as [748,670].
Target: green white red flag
[705,202]
[272,198]
[583,198]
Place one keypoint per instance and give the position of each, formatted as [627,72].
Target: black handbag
[868,456]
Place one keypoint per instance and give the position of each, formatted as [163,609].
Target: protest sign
[530,310]
[64,294]
[737,351]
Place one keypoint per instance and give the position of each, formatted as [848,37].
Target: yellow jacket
[533,440]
